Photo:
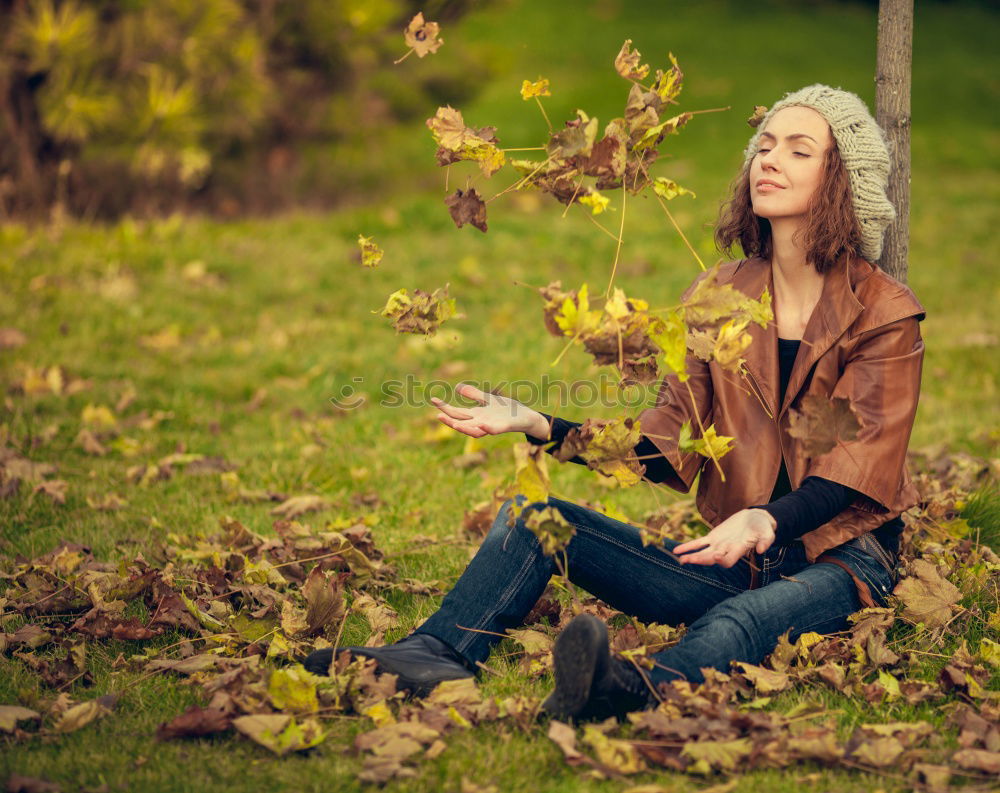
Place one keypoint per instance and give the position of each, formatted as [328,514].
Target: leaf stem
[618,249]
[544,114]
[701,426]
[671,217]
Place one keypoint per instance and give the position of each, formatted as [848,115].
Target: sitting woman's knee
[504,524]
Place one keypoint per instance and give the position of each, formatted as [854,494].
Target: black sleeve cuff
[658,468]
[814,503]
[558,429]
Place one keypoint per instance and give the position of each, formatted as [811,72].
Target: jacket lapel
[837,308]
[760,358]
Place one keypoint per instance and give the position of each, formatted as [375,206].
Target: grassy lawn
[244,353]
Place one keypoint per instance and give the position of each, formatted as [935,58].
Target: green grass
[293,316]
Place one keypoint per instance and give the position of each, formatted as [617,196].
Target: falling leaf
[668,189]
[531,477]
[552,530]
[607,446]
[597,202]
[821,423]
[573,316]
[709,445]
[538,88]
[575,140]
[627,63]
[759,111]
[667,85]
[458,142]
[371,254]
[421,36]
[670,334]
[652,137]
[467,207]
[422,313]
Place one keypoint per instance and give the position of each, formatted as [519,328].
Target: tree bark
[892,100]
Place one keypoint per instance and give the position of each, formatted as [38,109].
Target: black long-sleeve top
[796,512]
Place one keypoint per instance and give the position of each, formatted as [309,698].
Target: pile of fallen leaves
[234,614]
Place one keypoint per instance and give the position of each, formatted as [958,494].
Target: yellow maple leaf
[538,88]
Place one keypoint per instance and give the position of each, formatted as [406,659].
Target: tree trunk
[892,100]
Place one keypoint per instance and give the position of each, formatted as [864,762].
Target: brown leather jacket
[862,342]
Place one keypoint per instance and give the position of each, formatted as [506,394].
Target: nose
[768,160]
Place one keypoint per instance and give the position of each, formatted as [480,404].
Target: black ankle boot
[420,660]
[590,684]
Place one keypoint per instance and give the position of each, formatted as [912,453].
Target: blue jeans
[727,621]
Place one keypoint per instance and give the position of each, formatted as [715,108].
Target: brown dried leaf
[195,722]
[422,36]
[926,595]
[84,713]
[822,423]
[979,759]
[29,784]
[466,206]
[296,506]
[54,489]
[10,715]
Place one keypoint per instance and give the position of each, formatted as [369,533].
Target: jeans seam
[861,570]
[505,597]
[770,566]
[654,560]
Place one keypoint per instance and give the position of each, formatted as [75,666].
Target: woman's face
[790,155]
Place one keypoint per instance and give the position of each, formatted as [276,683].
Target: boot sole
[577,658]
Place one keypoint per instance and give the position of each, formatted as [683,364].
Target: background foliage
[109,106]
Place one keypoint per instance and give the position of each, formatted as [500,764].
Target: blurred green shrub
[108,106]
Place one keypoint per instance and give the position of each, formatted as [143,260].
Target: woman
[799,542]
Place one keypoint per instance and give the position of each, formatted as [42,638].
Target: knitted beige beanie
[863,148]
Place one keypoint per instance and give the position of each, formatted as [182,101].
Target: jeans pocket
[869,544]
[770,563]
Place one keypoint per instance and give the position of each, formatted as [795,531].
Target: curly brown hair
[830,230]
